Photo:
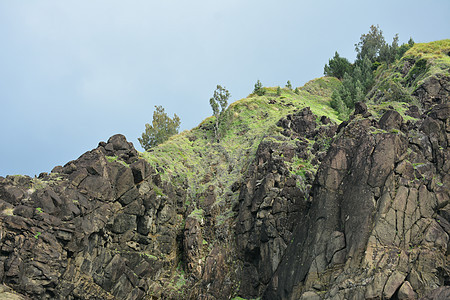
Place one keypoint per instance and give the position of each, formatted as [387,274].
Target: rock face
[82,232]
[376,227]
[316,211]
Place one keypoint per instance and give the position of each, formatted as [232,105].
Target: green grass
[38,184]
[116,159]
[152,257]
[299,166]
[429,59]
[380,108]
[195,159]
[433,50]
[197,214]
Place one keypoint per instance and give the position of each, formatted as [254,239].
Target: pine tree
[289,85]
[337,66]
[161,129]
[259,90]
[370,44]
[278,91]
[339,105]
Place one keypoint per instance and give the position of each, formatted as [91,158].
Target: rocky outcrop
[304,209]
[95,228]
[434,90]
[376,227]
[359,211]
[275,195]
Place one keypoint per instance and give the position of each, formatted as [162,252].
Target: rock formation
[290,205]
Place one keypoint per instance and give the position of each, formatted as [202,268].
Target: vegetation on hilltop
[196,159]
[402,79]
[283,193]
[358,78]
[219,103]
[161,129]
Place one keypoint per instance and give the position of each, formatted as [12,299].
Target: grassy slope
[194,158]
[393,87]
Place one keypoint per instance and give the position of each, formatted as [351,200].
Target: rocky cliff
[290,204]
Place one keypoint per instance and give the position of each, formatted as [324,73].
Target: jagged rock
[391,120]
[413,111]
[308,211]
[7,293]
[439,293]
[302,122]
[440,111]
[434,90]
[361,109]
[406,292]
[193,246]
[394,281]
[310,296]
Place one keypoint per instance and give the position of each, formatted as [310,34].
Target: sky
[74,73]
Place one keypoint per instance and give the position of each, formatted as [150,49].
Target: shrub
[258,90]
[161,129]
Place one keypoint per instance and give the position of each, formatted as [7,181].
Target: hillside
[291,203]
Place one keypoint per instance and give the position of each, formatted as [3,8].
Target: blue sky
[73,73]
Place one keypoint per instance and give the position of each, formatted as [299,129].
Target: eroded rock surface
[377,226]
[316,211]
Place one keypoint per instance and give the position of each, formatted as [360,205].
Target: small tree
[289,85]
[370,44]
[337,66]
[258,88]
[388,53]
[161,129]
[278,91]
[405,47]
[220,98]
[296,91]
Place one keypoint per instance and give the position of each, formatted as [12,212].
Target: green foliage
[220,98]
[197,214]
[338,104]
[432,50]
[150,256]
[354,88]
[357,80]
[278,91]
[38,184]
[192,160]
[161,129]
[404,47]
[370,44]
[289,85]
[296,91]
[391,84]
[380,108]
[337,66]
[116,159]
[420,68]
[388,53]
[299,167]
[258,90]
